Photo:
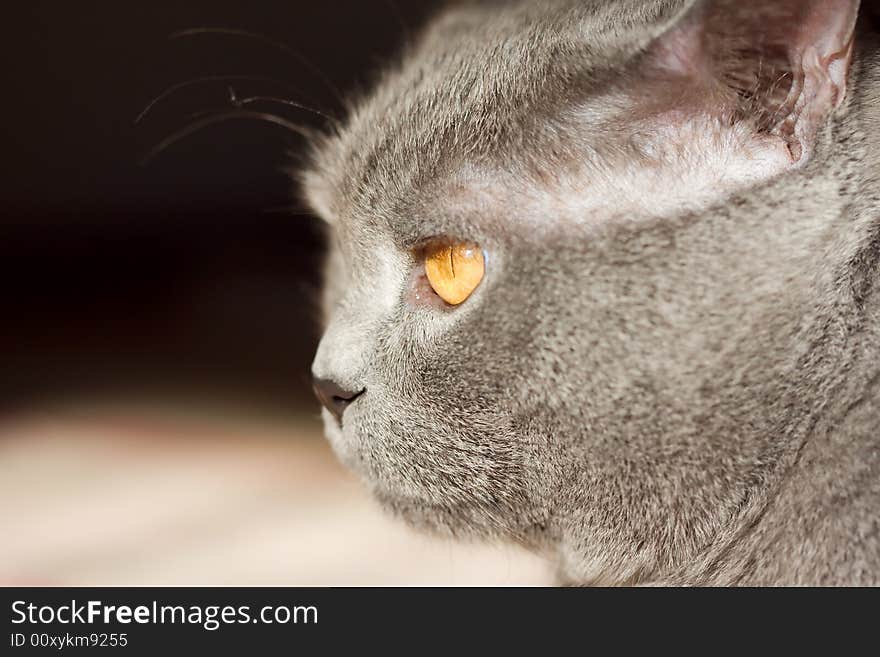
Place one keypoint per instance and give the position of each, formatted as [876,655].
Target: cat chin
[422,510]
[443,520]
[459,511]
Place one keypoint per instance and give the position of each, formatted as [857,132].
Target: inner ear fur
[779,65]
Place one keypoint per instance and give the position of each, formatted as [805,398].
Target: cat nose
[334,397]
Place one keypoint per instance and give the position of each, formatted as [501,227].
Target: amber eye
[454,270]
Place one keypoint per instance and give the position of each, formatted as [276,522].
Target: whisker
[240,102]
[208,78]
[226,31]
[223,117]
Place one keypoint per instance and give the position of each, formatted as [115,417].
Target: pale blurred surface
[127,496]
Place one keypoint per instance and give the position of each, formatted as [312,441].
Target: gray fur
[683,399]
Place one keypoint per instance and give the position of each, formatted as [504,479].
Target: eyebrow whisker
[223,117]
[208,78]
[234,32]
[241,102]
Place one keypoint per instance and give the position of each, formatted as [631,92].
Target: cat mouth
[343,446]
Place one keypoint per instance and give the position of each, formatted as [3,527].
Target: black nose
[333,397]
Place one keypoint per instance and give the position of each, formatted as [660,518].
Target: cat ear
[779,65]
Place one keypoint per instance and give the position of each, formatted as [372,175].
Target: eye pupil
[454,270]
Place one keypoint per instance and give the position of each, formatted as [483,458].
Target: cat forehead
[481,86]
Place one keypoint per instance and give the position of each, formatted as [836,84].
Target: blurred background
[159,286]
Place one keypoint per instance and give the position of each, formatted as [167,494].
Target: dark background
[193,274]
[158,322]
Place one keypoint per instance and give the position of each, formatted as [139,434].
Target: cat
[668,372]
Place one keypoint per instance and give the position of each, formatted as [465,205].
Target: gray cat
[605,281]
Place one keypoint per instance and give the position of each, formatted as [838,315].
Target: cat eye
[454,270]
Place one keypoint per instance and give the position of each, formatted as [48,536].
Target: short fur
[671,372]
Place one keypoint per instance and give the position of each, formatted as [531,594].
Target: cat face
[618,169]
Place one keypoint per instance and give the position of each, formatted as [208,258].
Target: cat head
[622,185]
